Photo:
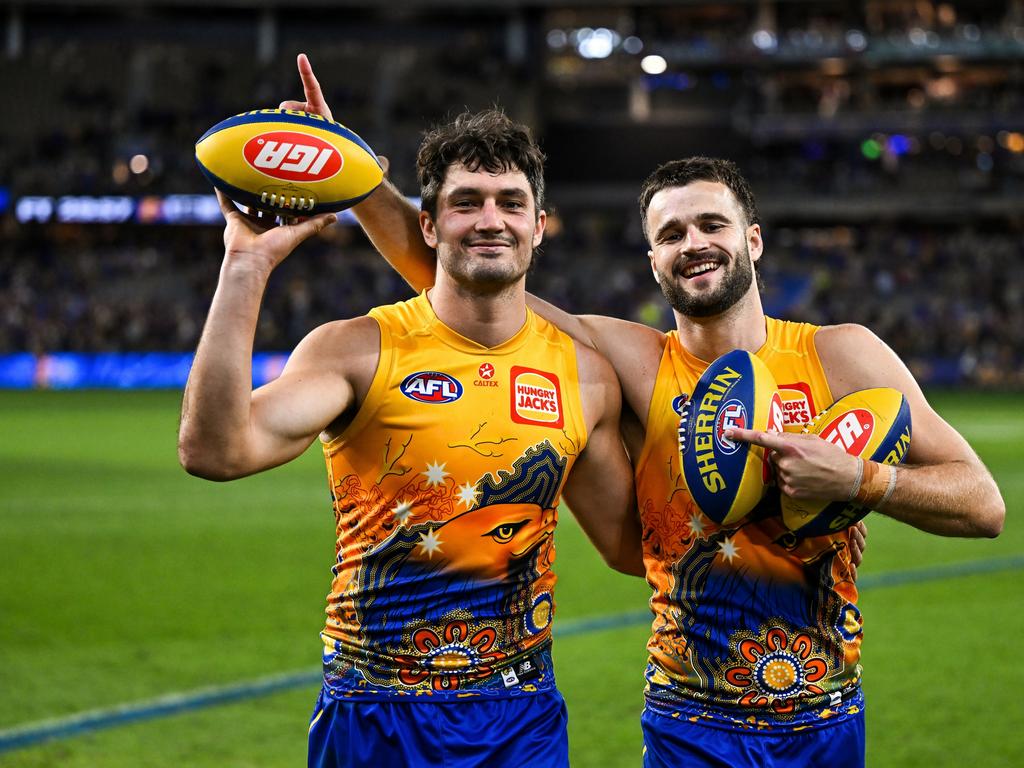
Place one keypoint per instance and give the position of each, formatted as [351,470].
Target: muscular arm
[943,488]
[226,429]
[599,491]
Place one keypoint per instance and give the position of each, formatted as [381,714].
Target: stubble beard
[483,275]
[731,288]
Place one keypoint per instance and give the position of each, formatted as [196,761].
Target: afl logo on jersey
[431,387]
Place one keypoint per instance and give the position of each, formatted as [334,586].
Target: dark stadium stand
[884,141]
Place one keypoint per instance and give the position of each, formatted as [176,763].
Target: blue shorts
[670,742]
[489,733]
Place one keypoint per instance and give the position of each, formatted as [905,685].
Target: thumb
[307,228]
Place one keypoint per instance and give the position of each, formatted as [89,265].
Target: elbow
[200,463]
[629,564]
[992,520]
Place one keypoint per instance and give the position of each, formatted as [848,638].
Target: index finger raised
[311,88]
[771,440]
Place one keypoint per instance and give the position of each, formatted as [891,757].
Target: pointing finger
[765,439]
[311,87]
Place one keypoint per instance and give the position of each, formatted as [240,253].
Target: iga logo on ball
[727,478]
[292,156]
[288,162]
[873,424]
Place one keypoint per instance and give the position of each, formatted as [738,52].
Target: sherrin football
[727,478]
[288,162]
[871,423]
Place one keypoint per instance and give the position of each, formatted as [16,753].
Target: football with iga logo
[728,478]
[871,423]
[288,162]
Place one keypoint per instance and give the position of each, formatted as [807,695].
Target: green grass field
[123,579]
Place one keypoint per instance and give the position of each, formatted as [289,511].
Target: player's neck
[742,326]
[488,318]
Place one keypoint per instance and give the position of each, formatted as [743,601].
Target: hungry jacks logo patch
[536,398]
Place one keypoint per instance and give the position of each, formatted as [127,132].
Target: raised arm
[388,218]
[226,429]
[943,488]
[599,491]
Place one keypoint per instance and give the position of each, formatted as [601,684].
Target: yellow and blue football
[873,424]
[288,162]
[727,478]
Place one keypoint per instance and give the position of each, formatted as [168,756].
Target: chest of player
[425,395]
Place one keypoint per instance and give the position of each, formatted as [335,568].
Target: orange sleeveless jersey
[445,488]
[750,625]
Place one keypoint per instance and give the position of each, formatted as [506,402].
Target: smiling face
[702,250]
[486,227]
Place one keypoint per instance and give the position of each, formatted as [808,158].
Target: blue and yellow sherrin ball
[728,478]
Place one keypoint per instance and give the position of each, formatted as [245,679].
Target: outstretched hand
[806,467]
[258,240]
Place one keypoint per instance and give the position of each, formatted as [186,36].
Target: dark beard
[739,274]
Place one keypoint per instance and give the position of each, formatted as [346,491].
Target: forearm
[956,498]
[218,396]
[392,224]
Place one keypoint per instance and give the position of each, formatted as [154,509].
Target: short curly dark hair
[679,173]
[488,140]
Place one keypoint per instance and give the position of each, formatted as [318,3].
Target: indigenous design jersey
[445,488]
[752,627]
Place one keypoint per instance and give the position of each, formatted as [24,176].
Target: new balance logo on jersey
[292,156]
[431,387]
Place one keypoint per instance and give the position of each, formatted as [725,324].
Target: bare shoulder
[854,358]
[614,336]
[593,366]
[634,352]
[346,348]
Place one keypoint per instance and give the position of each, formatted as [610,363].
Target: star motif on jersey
[696,523]
[728,549]
[430,543]
[401,511]
[435,473]
[467,494]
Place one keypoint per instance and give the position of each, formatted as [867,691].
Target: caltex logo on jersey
[850,431]
[292,156]
[536,398]
[732,414]
[431,387]
[485,376]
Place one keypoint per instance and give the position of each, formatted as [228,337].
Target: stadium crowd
[949,300]
[913,127]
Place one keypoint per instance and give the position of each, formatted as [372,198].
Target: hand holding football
[288,162]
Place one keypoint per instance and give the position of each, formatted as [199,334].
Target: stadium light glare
[557,39]
[632,45]
[138,164]
[764,40]
[653,64]
[598,44]
[871,149]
